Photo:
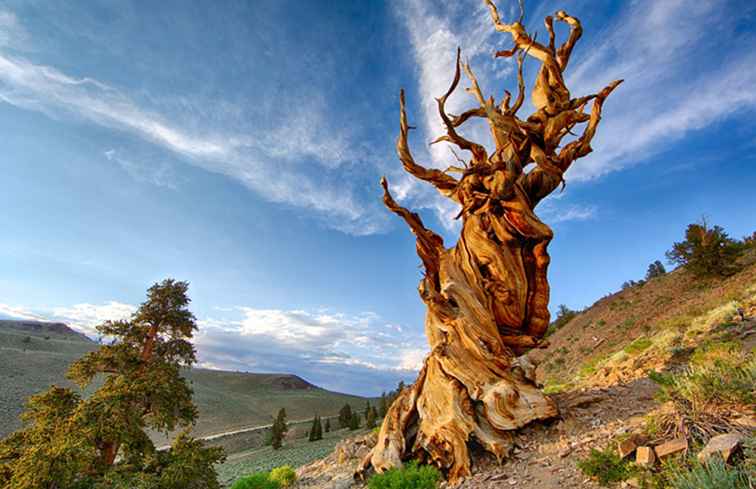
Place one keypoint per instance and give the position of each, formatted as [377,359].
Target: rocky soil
[545,455]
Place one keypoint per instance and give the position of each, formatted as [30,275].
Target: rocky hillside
[659,370]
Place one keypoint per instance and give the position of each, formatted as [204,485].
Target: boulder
[725,445]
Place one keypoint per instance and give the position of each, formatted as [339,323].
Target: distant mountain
[43,328]
[36,354]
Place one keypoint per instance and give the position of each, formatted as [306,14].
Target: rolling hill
[35,355]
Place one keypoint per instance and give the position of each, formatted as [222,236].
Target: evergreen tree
[706,251]
[370,417]
[316,431]
[68,442]
[354,421]
[368,407]
[655,269]
[345,416]
[328,425]
[383,405]
[279,429]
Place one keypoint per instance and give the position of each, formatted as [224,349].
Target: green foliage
[279,429]
[706,251]
[714,475]
[629,284]
[102,441]
[328,425]
[383,406]
[638,346]
[284,475]
[345,416]
[606,466]
[354,422]
[655,270]
[259,480]
[718,372]
[411,476]
[370,417]
[296,453]
[316,430]
[564,316]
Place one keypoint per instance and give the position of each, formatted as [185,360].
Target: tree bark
[487,297]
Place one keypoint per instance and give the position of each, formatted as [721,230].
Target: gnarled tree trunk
[487,297]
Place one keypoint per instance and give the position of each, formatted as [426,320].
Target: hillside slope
[35,355]
[599,368]
[645,327]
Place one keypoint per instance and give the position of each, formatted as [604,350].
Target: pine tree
[655,269]
[69,442]
[383,405]
[370,418]
[706,251]
[316,431]
[279,429]
[328,425]
[368,407]
[354,421]
[345,416]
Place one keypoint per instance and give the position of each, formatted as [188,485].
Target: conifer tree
[354,421]
[279,429]
[370,418]
[345,416]
[316,431]
[706,251]
[383,405]
[69,442]
[655,269]
[328,425]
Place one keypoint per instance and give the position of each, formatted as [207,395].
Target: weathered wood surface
[487,297]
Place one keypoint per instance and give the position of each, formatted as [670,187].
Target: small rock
[645,456]
[633,482]
[725,445]
[671,447]
[627,447]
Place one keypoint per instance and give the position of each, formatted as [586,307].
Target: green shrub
[564,315]
[411,476]
[637,346]
[714,475]
[258,480]
[706,251]
[717,372]
[606,466]
[284,475]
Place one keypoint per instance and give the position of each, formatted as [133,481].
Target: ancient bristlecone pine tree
[487,297]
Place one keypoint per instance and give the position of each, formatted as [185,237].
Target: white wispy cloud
[85,317]
[663,51]
[358,353]
[19,312]
[159,174]
[660,49]
[272,160]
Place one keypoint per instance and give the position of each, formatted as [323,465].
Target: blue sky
[238,145]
